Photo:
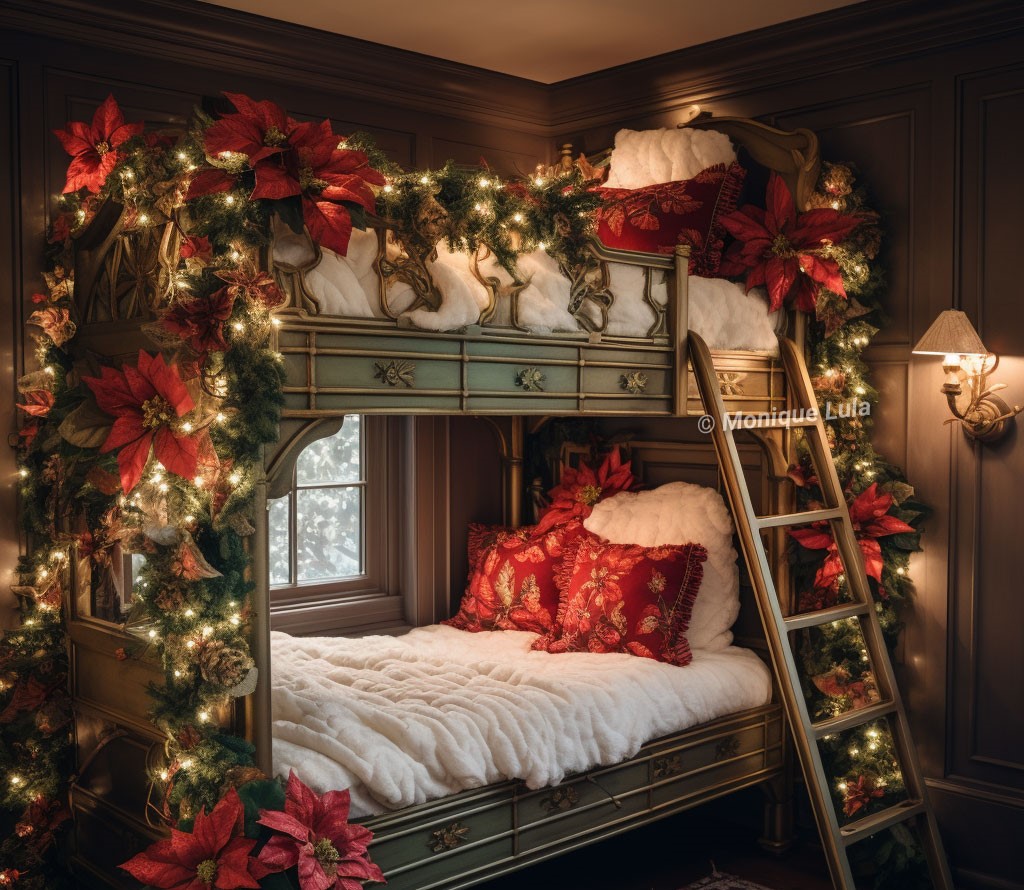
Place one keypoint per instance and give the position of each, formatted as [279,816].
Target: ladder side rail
[771,613]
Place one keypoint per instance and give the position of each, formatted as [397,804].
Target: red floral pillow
[512,578]
[656,218]
[627,598]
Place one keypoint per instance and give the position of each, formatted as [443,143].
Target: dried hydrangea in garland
[821,262]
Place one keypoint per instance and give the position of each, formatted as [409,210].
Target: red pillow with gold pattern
[512,578]
[627,598]
[655,218]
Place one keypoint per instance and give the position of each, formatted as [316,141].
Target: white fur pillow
[646,157]
[680,513]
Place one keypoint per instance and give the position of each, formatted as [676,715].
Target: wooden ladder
[836,838]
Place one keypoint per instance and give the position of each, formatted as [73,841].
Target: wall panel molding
[199,34]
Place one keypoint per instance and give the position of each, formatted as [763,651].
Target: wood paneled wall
[927,98]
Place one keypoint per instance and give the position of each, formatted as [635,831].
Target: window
[330,536]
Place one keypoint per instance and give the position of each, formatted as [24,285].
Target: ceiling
[542,40]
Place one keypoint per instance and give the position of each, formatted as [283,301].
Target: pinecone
[222,664]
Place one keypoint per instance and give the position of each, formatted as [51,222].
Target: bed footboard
[468,838]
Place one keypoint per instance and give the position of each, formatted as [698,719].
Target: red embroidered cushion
[656,218]
[627,598]
[512,578]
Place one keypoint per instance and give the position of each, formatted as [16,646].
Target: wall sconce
[986,418]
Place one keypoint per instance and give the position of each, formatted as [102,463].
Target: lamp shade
[951,334]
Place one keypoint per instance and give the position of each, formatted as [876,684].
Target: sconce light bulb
[951,360]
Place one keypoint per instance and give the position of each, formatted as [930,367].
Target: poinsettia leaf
[179,454]
[86,426]
[262,794]
[289,211]
[330,225]
[107,118]
[274,183]
[210,181]
[357,213]
[781,209]
[131,461]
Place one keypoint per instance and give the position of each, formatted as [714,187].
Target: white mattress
[403,720]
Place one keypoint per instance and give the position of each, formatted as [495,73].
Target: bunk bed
[380,361]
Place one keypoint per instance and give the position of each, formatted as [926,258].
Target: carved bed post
[680,326]
[514,476]
[258,720]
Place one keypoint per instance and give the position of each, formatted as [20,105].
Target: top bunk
[418,314]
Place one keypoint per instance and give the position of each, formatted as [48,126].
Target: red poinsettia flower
[315,835]
[147,401]
[784,250]
[579,490]
[93,148]
[869,512]
[859,793]
[200,321]
[327,177]
[212,857]
[253,285]
[290,159]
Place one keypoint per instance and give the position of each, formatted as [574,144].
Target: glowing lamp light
[229,200]
[203,716]
[986,417]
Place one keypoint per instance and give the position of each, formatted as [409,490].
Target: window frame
[372,598]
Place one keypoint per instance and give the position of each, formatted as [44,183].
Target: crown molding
[207,35]
[847,39]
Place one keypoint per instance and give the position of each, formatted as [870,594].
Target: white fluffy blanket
[402,720]
[644,157]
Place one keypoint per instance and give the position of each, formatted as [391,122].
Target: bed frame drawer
[465,839]
[466,835]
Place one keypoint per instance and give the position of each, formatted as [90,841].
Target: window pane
[333,460]
[280,541]
[329,531]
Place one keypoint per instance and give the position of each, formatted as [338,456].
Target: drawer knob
[729,382]
[671,765]
[727,748]
[443,839]
[561,799]
[395,372]
[634,382]
[530,379]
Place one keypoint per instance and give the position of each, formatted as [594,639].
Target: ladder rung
[851,719]
[826,616]
[862,828]
[800,518]
[741,421]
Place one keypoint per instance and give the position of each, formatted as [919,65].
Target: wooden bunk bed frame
[335,366]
